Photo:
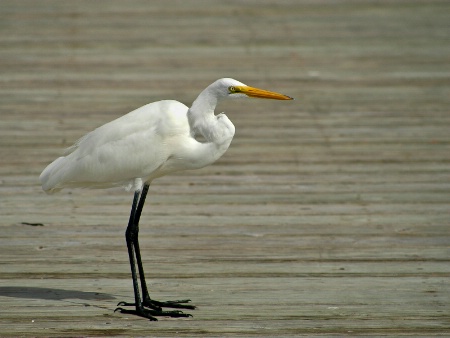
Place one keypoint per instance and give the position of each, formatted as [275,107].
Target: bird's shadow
[51,294]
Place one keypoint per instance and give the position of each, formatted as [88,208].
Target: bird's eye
[232,89]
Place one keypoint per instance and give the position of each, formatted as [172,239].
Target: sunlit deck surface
[329,215]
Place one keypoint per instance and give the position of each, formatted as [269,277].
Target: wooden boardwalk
[329,215]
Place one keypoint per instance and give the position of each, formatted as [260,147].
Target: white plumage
[152,141]
[149,142]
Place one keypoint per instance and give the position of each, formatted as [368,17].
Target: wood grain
[329,215]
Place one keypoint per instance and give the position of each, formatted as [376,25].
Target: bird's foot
[151,314]
[155,308]
[174,304]
[157,305]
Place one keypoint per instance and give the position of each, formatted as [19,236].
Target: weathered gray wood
[328,215]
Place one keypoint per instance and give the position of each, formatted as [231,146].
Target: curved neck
[201,115]
[217,131]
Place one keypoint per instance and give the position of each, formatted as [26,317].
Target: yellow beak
[261,93]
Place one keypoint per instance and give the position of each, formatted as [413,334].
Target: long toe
[174,304]
[137,312]
[125,304]
[152,314]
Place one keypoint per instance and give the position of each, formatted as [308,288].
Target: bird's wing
[132,146]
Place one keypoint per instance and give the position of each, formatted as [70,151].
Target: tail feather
[52,176]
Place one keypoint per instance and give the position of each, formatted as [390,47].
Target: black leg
[146,300]
[132,239]
[129,235]
[137,217]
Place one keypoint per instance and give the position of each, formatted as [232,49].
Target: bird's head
[230,88]
[235,89]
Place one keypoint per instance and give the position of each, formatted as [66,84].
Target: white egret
[152,141]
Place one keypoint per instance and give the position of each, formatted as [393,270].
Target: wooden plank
[328,215]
